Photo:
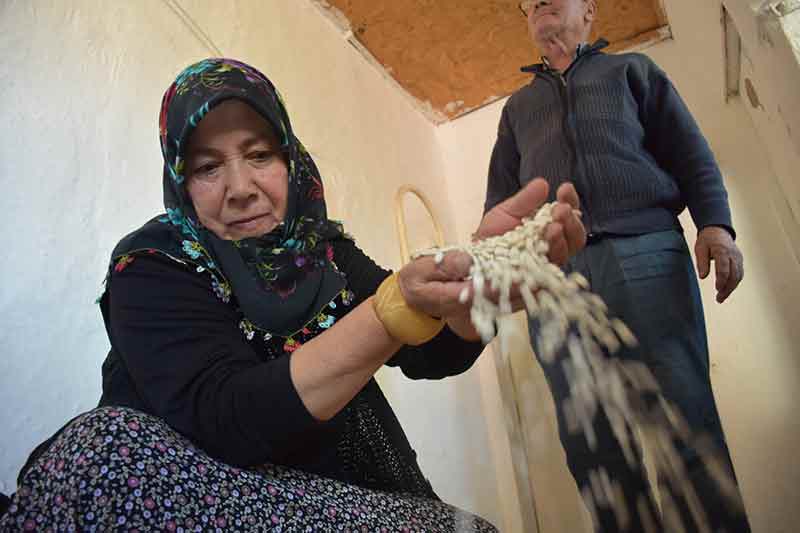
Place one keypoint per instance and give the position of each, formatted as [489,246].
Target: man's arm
[679,147]
[674,139]
[503,179]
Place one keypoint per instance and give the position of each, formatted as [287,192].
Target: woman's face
[236,176]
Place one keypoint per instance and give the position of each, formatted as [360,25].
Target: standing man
[616,127]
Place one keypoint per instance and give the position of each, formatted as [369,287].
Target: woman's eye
[262,156]
[209,169]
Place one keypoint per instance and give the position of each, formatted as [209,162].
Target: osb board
[457,55]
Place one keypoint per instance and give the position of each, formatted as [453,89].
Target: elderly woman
[245,331]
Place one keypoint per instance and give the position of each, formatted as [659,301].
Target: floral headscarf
[280,280]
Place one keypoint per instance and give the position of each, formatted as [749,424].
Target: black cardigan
[616,127]
[177,352]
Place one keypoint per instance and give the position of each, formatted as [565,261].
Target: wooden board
[457,55]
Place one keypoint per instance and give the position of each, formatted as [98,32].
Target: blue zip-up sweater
[616,127]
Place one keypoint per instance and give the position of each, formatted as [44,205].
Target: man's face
[548,18]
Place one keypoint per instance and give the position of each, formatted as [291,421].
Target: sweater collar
[582,50]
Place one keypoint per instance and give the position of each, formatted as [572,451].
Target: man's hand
[565,235]
[715,243]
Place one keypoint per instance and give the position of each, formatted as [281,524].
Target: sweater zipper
[574,165]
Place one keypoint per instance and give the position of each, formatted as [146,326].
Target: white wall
[770,55]
[753,337]
[80,166]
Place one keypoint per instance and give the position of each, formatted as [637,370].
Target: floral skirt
[119,469]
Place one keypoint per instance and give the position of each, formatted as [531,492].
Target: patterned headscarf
[279,280]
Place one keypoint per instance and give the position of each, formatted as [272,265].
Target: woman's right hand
[434,288]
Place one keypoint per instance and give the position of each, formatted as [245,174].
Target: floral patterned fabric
[116,469]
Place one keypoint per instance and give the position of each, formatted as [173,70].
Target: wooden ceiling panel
[458,55]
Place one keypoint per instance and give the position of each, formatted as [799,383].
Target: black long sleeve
[503,180]
[178,353]
[676,142]
[190,365]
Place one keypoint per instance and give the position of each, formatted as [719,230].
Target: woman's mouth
[250,222]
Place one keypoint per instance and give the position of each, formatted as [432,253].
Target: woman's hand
[434,288]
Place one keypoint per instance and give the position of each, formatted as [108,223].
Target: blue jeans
[649,281]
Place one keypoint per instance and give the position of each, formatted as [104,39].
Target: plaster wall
[770,78]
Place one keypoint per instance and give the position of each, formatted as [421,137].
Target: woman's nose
[241,181]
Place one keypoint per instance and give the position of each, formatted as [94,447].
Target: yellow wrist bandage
[403,323]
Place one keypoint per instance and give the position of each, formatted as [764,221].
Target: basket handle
[400,220]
